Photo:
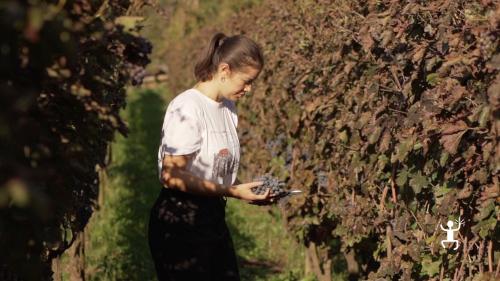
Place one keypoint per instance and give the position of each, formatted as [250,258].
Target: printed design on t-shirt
[224,163]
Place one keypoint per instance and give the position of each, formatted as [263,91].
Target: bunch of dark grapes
[272,183]
[274,146]
[137,74]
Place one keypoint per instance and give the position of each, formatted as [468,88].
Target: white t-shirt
[196,123]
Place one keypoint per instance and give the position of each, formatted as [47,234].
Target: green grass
[260,237]
[118,248]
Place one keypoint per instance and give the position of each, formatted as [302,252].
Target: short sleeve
[181,132]
[234,114]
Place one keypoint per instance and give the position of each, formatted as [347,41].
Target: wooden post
[76,253]
[56,268]
[307,269]
[320,267]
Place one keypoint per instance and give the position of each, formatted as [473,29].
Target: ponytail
[237,51]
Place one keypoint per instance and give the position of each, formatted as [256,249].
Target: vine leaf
[418,181]
[402,177]
[431,268]
[451,136]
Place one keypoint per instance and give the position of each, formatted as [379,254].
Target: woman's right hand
[244,192]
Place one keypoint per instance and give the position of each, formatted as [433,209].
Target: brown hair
[237,51]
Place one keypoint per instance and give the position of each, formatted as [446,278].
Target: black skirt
[189,238]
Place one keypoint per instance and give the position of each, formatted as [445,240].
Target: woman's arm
[175,175]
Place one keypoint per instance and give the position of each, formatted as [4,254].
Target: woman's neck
[208,89]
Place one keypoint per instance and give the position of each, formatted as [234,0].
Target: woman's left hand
[264,202]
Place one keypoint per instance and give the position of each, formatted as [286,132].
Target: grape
[272,183]
[137,74]
[274,146]
[322,179]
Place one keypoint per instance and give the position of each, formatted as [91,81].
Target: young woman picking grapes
[198,162]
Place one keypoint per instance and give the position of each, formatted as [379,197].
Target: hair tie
[221,41]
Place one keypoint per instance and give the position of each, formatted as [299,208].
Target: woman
[198,161]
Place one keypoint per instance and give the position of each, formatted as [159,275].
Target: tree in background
[64,68]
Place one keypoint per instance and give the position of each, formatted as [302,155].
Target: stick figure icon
[450,231]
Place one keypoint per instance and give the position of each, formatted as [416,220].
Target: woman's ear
[224,70]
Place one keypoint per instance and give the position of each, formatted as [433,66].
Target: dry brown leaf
[453,128]
[451,136]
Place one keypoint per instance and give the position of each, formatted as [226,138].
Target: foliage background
[386,114]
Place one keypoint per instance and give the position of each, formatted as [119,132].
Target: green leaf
[389,205]
[418,181]
[430,267]
[382,160]
[375,135]
[343,136]
[402,150]
[402,177]
[413,206]
[443,158]
[442,190]
[417,146]
[413,226]
[130,23]
[433,79]
[485,211]
[483,118]
[434,175]
[484,227]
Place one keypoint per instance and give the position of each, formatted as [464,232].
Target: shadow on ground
[251,269]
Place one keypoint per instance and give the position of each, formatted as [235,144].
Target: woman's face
[238,83]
